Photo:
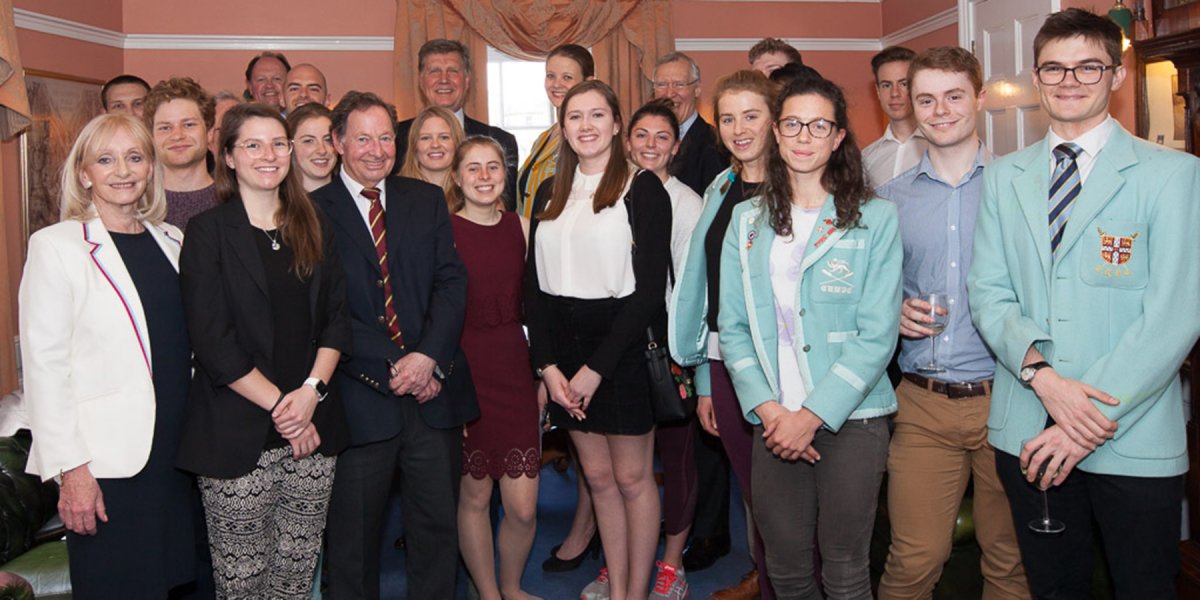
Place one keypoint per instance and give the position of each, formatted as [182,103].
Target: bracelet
[281,396]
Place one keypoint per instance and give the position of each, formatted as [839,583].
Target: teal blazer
[1122,321]
[849,317]
[687,327]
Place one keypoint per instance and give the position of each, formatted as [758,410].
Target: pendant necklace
[274,239]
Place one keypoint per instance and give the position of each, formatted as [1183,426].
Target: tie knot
[1067,151]
[371,193]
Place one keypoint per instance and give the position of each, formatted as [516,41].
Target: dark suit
[473,127]
[228,312]
[389,433]
[699,160]
[696,164]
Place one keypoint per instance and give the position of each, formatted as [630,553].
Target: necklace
[274,239]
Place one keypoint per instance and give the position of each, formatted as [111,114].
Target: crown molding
[929,24]
[32,21]
[801,44]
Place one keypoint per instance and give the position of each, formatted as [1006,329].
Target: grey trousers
[832,502]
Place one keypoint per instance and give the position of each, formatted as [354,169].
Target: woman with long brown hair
[265,305]
[589,301]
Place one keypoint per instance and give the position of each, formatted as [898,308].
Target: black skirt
[621,404]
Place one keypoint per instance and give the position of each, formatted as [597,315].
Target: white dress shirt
[1091,142]
[888,157]
[360,202]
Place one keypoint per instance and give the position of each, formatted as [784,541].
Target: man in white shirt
[902,145]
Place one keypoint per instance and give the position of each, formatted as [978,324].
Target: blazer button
[379,283]
[802,312]
[382,320]
[806,348]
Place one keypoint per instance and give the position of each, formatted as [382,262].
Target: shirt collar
[889,135]
[983,157]
[355,188]
[687,124]
[1091,141]
[462,117]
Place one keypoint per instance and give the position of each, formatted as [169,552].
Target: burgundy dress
[506,438]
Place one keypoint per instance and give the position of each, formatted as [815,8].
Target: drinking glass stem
[1045,508]
[933,363]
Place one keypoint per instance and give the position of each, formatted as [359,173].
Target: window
[517,99]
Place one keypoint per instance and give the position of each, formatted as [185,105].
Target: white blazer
[86,351]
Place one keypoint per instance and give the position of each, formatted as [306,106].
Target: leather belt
[966,389]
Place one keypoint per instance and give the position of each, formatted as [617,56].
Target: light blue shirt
[687,124]
[937,226]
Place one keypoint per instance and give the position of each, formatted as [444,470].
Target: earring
[87,185]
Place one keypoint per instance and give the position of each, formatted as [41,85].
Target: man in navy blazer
[444,70]
[406,396]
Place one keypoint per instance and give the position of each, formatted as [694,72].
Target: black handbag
[670,398]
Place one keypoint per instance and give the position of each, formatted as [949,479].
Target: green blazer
[1117,309]
[848,320]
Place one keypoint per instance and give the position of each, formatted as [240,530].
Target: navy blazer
[473,127]
[429,290]
[699,159]
[225,298]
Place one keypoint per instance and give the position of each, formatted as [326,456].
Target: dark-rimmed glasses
[818,128]
[1088,74]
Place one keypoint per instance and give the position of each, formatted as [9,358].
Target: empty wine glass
[939,310]
[1044,524]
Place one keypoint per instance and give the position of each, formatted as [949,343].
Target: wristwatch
[542,369]
[1031,369]
[317,385]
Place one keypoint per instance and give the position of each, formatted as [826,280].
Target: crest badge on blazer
[1115,251]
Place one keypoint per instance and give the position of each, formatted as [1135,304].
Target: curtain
[14,103]
[626,36]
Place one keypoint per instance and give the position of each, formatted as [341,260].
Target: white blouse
[686,207]
[583,254]
[787,253]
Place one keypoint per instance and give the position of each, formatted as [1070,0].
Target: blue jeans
[834,499]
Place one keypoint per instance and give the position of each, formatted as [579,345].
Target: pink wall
[898,14]
[734,19]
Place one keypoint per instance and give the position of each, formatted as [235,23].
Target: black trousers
[428,463]
[1138,519]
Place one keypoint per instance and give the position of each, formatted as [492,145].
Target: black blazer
[646,307]
[473,127]
[429,290]
[699,159]
[224,299]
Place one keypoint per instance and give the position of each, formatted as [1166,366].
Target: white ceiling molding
[929,24]
[801,44]
[33,21]
[68,29]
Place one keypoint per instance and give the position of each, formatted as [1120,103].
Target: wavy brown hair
[455,199]
[745,80]
[296,217]
[616,172]
[843,176]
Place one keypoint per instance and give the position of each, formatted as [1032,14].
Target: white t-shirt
[787,253]
[685,213]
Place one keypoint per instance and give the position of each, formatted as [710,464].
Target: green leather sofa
[28,547]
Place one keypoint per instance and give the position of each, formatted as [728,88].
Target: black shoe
[554,564]
[703,552]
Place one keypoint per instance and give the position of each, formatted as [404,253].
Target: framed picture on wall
[60,105]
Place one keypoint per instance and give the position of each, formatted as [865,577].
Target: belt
[966,389]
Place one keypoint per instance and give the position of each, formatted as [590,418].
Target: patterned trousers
[265,527]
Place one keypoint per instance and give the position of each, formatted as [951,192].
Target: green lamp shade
[1123,17]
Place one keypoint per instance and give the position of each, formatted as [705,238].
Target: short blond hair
[77,200]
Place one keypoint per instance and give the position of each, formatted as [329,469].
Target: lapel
[473,127]
[823,236]
[107,259]
[683,157]
[241,238]
[343,212]
[170,246]
[1031,188]
[397,215]
[1103,183]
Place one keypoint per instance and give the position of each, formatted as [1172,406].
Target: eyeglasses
[258,148]
[678,86]
[1086,74]
[819,129]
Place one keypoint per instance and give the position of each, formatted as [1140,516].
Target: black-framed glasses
[1088,74]
[818,128]
[258,148]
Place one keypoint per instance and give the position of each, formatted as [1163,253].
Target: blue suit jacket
[429,288]
[1122,321]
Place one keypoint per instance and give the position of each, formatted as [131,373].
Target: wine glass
[939,309]
[1044,524]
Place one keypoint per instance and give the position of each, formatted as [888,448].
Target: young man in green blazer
[1084,284]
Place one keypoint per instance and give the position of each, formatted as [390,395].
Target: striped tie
[1063,191]
[375,215]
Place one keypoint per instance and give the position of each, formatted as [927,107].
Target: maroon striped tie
[375,216]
